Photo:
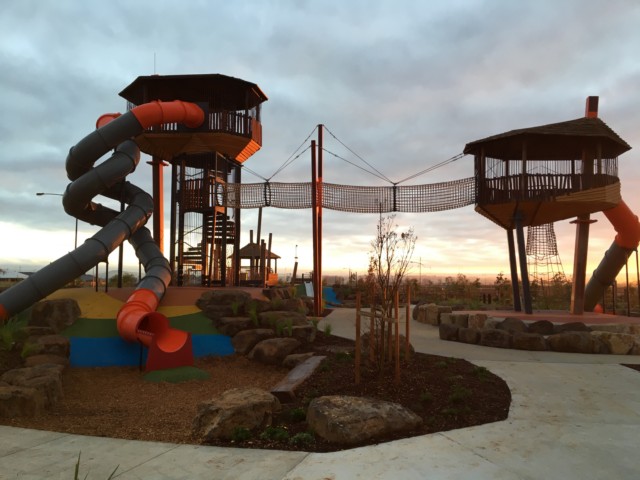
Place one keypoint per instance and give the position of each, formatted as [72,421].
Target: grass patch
[176,375]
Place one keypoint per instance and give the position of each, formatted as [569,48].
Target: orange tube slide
[137,320]
[626,225]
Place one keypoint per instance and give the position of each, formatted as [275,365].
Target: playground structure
[206,142]
[206,126]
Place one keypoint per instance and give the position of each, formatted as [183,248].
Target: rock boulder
[351,420]
[250,408]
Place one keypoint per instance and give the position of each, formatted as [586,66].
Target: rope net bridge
[432,197]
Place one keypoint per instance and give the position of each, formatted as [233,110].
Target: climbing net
[433,197]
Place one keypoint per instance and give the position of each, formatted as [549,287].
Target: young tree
[389,260]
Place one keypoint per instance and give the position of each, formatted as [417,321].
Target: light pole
[75,243]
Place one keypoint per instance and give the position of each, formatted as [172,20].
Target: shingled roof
[555,141]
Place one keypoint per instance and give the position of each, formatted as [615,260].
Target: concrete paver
[572,417]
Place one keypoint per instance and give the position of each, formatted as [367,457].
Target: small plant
[442,364]
[298,414]
[289,327]
[29,349]
[302,439]
[252,311]
[277,304]
[240,434]
[314,322]
[279,326]
[426,396]
[327,329]
[235,308]
[481,372]
[274,433]
[76,472]
[343,357]
[459,394]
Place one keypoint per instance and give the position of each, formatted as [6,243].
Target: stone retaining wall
[541,335]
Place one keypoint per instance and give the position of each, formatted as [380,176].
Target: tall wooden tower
[539,175]
[205,237]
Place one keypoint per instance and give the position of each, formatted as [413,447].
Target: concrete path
[572,417]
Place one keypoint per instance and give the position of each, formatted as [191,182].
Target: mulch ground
[117,402]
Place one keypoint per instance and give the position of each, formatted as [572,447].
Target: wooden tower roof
[555,141]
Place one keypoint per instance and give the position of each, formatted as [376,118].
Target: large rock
[541,327]
[495,338]
[571,327]
[250,408]
[352,420]
[512,325]
[46,359]
[458,319]
[468,335]
[529,341]
[216,304]
[245,340]
[20,401]
[449,332]
[618,343]
[433,313]
[47,345]
[56,314]
[273,350]
[477,320]
[417,308]
[47,379]
[303,333]
[573,342]
[281,319]
[232,325]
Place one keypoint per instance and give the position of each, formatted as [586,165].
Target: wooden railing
[234,123]
[538,187]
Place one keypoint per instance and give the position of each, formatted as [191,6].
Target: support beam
[158,200]
[582,224]
[522,256]
[513,265]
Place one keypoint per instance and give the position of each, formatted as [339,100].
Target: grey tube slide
[107,179]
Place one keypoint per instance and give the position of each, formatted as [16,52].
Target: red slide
[626,241]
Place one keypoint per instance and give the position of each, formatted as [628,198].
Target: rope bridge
[433,197]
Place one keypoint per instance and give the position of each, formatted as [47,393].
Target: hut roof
[252,250]
[221,91]
[555,141]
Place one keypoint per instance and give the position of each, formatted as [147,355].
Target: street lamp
[75,243]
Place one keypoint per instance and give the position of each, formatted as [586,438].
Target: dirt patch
[117,402]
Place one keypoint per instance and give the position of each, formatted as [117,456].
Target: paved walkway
[572,417]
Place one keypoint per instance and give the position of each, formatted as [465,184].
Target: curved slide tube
[137,320]
[626,241]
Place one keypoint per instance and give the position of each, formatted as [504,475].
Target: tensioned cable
[290,160]
[357,166]
[433,167]
[381,175]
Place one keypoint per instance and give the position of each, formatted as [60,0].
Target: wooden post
[319,214]
[582,225]
[513,266]
[397,339]
[314,223]
[407,342]
[357,359]
[158,200]
[522,256]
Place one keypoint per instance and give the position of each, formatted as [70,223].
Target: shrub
[240,434]
[302,439]
[274,433]
[327,329]
[298,414]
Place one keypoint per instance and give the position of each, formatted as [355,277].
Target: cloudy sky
[405,85]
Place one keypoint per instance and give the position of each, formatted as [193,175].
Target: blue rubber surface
[115,352]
